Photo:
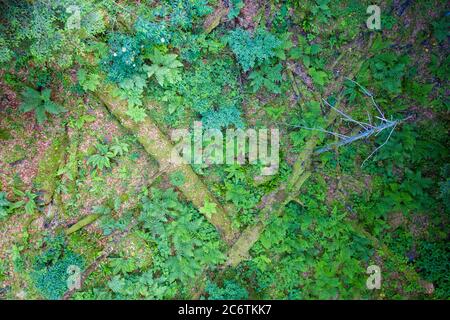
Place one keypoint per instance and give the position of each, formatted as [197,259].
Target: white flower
[163,40]
[115,54]
[134,64]
[124,49]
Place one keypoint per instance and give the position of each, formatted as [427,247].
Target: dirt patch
[8,98]
[21,153]
[396,219]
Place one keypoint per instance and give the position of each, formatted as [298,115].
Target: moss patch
[49,165]
[4,134]
[17,153]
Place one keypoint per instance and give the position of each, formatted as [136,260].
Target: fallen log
[82,223]
[213,20]
[286,192]
[157,145]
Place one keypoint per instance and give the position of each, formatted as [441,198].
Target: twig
[362,135]
[321,130]
[369,94]
[374,151]
[347,117]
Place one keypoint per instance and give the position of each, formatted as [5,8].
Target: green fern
[136,113]
[164,68]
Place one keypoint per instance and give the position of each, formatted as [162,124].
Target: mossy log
[286,191]
[157,145]
[82,223]
[273,203]
[53,159]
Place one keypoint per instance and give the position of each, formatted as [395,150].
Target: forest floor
[94,187]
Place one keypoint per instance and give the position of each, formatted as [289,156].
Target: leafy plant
[275,112]
[434,264]
[267,76]
[440,28]
[5,53]
[241,196]
[119,148]
[252,50]
[183,13]
[80,121]
[138,286]
[105,153]
[440,68]
[236,6]
[40,103]
[37,32]
[322,10]
[419,91]
[174,225]
[208,209]
[177,178]
[307,53]
[132,90]
[319,77]
[28,201]
[164,67]
[136,113]
[88,82]
[4,206]
[211,85]
[444,187]
[230,290]
[152,33]
[124,58]
[222,118]
[387,70]
[101,159]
